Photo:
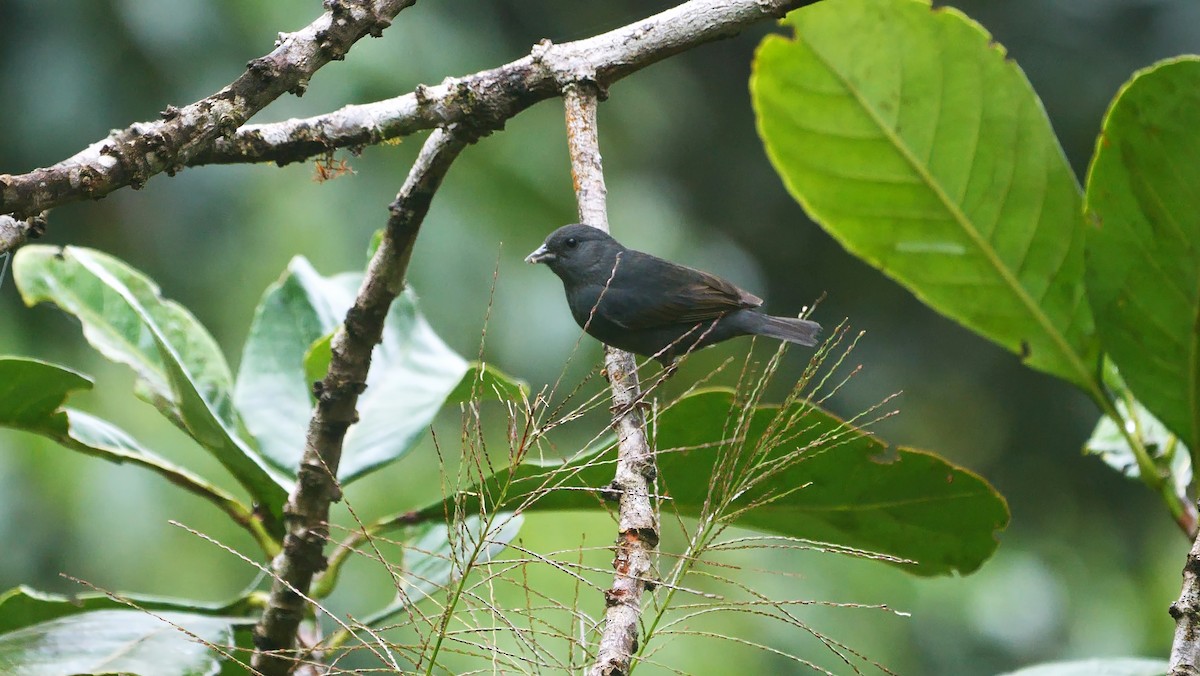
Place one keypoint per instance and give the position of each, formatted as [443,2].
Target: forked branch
[210,131]
[490,97]
[131,156]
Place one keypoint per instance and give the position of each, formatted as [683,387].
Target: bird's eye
[572,242]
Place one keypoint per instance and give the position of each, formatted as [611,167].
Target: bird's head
[577,249]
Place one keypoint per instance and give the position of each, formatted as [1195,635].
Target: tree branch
[15,233]
[307,511]
[637,536]
[1185,648]
[203,133]
[488,98]
[131,156]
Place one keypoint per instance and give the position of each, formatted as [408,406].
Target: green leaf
[32,394]
[119,641]
[1107,666]
[23,606]
[847,488]
[1143,246]
[484,382]
[121,312]
[317,358]
[906,134]
[272,391]
[413,373]
[1170,456]
[177,361]
[373,246]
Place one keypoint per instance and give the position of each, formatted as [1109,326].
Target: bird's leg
[669,370]
[612,492]
[618,411]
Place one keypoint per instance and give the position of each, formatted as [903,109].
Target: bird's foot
[622,411]
[612,492]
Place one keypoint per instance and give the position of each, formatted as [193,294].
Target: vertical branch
[637,537]
[307,510]
[1185,648]
[583,143]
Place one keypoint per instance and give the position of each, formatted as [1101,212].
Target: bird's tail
[790,329]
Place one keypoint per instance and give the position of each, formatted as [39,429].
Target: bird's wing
[652,292]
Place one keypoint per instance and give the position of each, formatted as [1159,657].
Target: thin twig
[637,537]
[307,511]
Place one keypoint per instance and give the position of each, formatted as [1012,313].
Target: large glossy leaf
[847,487]
[178,364]
[907,134]
[272,391]
[413,373]
[32,395]
[1143,246]
[119,641]
[121,312]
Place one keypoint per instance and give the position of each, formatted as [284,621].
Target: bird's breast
[586,302]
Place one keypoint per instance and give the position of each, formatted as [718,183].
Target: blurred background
[1087,567]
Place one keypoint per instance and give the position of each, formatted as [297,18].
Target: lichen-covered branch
[637,530]
[131,156]
[307,512]
[207,132]
[492,96]
[1185,649]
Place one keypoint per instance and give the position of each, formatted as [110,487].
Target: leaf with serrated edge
[78,281]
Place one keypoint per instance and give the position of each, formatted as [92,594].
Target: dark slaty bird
[646,305]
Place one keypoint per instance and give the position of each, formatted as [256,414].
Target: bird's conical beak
[540,255]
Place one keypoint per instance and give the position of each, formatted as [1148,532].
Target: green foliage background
[1089,563]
